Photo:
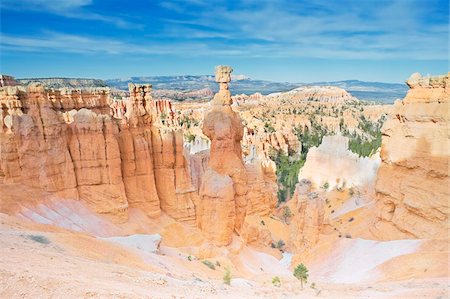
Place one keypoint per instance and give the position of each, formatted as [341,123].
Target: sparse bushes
[189,137]
[301,273]
[268,128]
[326,186]
[209,264]
[163,117]
[286,214]
[39,239]
[227,276]
[282,194]
[279,244]
[351,192]
[276,281]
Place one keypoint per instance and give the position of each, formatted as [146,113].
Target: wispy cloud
[381,29]
[358,29]
[74,9]
[55,42]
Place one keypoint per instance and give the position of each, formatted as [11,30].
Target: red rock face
[413,179]
[173,182]
[137,169]
[66,143]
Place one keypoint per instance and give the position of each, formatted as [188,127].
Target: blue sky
[279,40]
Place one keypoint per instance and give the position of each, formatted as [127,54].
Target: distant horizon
[200,75]
[279,41]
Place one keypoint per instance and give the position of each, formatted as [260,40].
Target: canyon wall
[79,144]
[129,152]
[413,180]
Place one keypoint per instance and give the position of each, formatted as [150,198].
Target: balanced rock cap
[223,73]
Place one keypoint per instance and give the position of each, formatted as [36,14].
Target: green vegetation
[326,186]
[39,239]
[188,122]
[363,147]
[276,281]
[189,137]
[268,128]
[301,273]
[364,141]
[163,117]
[367,144]
[227,276]
[280,244]
[209,264]
[287,213]
[287,174]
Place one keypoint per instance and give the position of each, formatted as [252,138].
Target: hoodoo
[223,191]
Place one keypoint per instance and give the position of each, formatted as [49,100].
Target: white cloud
[399,29]
[75,9]
[320,29]
[54,6]
[51,42]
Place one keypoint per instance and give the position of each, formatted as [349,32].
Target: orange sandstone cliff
[79,144]
[413,180]
[116,154]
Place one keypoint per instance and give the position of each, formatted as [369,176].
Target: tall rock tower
[413,179]
[223,192]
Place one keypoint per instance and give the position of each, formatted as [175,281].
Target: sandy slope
[80,254]
[76,265]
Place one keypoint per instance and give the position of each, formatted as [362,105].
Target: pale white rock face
[198,145]
[146,243]
[334,164]
[330,94]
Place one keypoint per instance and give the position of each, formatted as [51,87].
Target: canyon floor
[41,261]
[62,249]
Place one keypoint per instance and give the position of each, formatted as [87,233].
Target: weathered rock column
[223,191]
[413,179]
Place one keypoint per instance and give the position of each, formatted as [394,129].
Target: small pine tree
[286,213]
[301,273]
[227,276]
[276,281]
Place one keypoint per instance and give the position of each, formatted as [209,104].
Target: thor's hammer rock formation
[223,191]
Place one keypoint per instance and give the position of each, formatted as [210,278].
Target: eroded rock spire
[223,191]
